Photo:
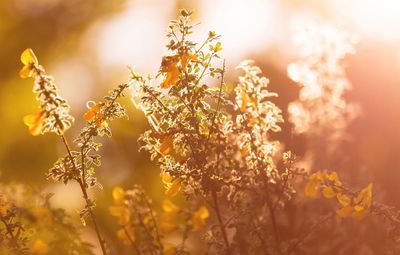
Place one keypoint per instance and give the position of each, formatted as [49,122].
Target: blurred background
[88,44]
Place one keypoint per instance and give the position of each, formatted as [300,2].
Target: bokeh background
[88,44]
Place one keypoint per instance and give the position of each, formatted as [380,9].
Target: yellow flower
[121,212]
[187,57]
[363,203]
[34,123]
[167,227]
[39,247]
[169,65]
[328,192]
[118,194]
[198,219]
[167,145]
[30,62]
[359,207]
[334,178]
[172,186]
[126,235]
[313,186]
[119,209]
[170,211]
[169,249]
[95,114]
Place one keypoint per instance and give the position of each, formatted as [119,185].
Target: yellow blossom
[34,123]
[118,194]
[169,65]
[363,203]
[167,145]
[313,186]
[167,227]
[169,249]
[119,209]
[198,219]
[172,186]
[95,114]
[39,247]
[126,235]
[30,62]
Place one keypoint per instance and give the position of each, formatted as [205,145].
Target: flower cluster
[358,206]
[54,110]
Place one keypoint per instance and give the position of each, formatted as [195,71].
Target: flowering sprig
[357,205]
[54,110]
[77,165]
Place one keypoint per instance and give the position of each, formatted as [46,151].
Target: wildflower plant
[78,164]
[213,148]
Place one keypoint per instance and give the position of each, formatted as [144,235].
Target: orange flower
[169,65]
[167,145]
[198,219]
[34,123]
[172,186]
[187,57]
[95,114]
[30,62]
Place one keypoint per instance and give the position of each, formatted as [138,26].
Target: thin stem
[293,247]
[155,226]
[86,197]
[131,241]
[218,103]
[221,223]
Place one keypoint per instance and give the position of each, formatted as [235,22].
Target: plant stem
[293,247]
[85,196]
[131,241]
[221,223]
[12,238]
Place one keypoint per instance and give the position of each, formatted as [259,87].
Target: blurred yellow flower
[198,219]
[119,209]
[39,247]
[34,123]
[169,65]
[313,186]
[30,62]
[172,186]
[126,235]
[169,249]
